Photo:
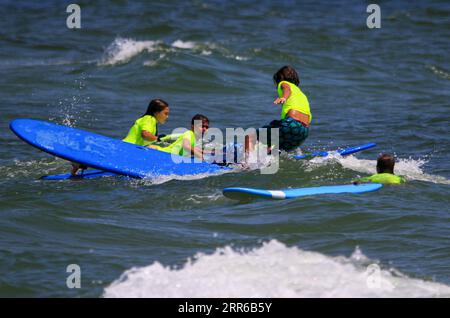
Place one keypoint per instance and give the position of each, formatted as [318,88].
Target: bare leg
[248,146]
[75,168]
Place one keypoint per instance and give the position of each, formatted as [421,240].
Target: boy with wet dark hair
[186,143]
[385,172]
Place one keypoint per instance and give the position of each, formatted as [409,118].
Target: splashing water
[184,45]
[439,72]
[155,180]
[409,168]
[72,109]
[272,270]
[123,50]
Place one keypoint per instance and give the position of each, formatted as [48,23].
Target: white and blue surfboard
[251,193]
[112,156]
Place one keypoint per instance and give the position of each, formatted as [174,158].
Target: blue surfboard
[86,174]
[90,174]
[105,153]
[251,193]
[342,152]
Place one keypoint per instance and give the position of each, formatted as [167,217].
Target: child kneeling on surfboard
[295,112]
[385,172]
[144,130]
[185,145]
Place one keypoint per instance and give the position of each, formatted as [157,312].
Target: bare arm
[286,93]
[187,147]
[146,135]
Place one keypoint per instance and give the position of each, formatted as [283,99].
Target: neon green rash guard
[296,101]
[384,178]
[177,146]
[147,123]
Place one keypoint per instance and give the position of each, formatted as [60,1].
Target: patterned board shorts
[292,133]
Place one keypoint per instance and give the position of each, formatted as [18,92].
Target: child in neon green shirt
[144,130]
[295,119]
[385,172]
[185,145]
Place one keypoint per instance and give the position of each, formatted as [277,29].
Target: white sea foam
[439,72]
[239,58]
[206,52]
[123,50]
[411,169]
[200,198]
[155,62]
[272,270]
[154,180]
[184,44]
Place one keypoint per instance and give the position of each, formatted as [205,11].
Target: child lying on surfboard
[385,172]
[185,144]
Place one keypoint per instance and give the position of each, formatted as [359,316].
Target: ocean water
[179,237]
